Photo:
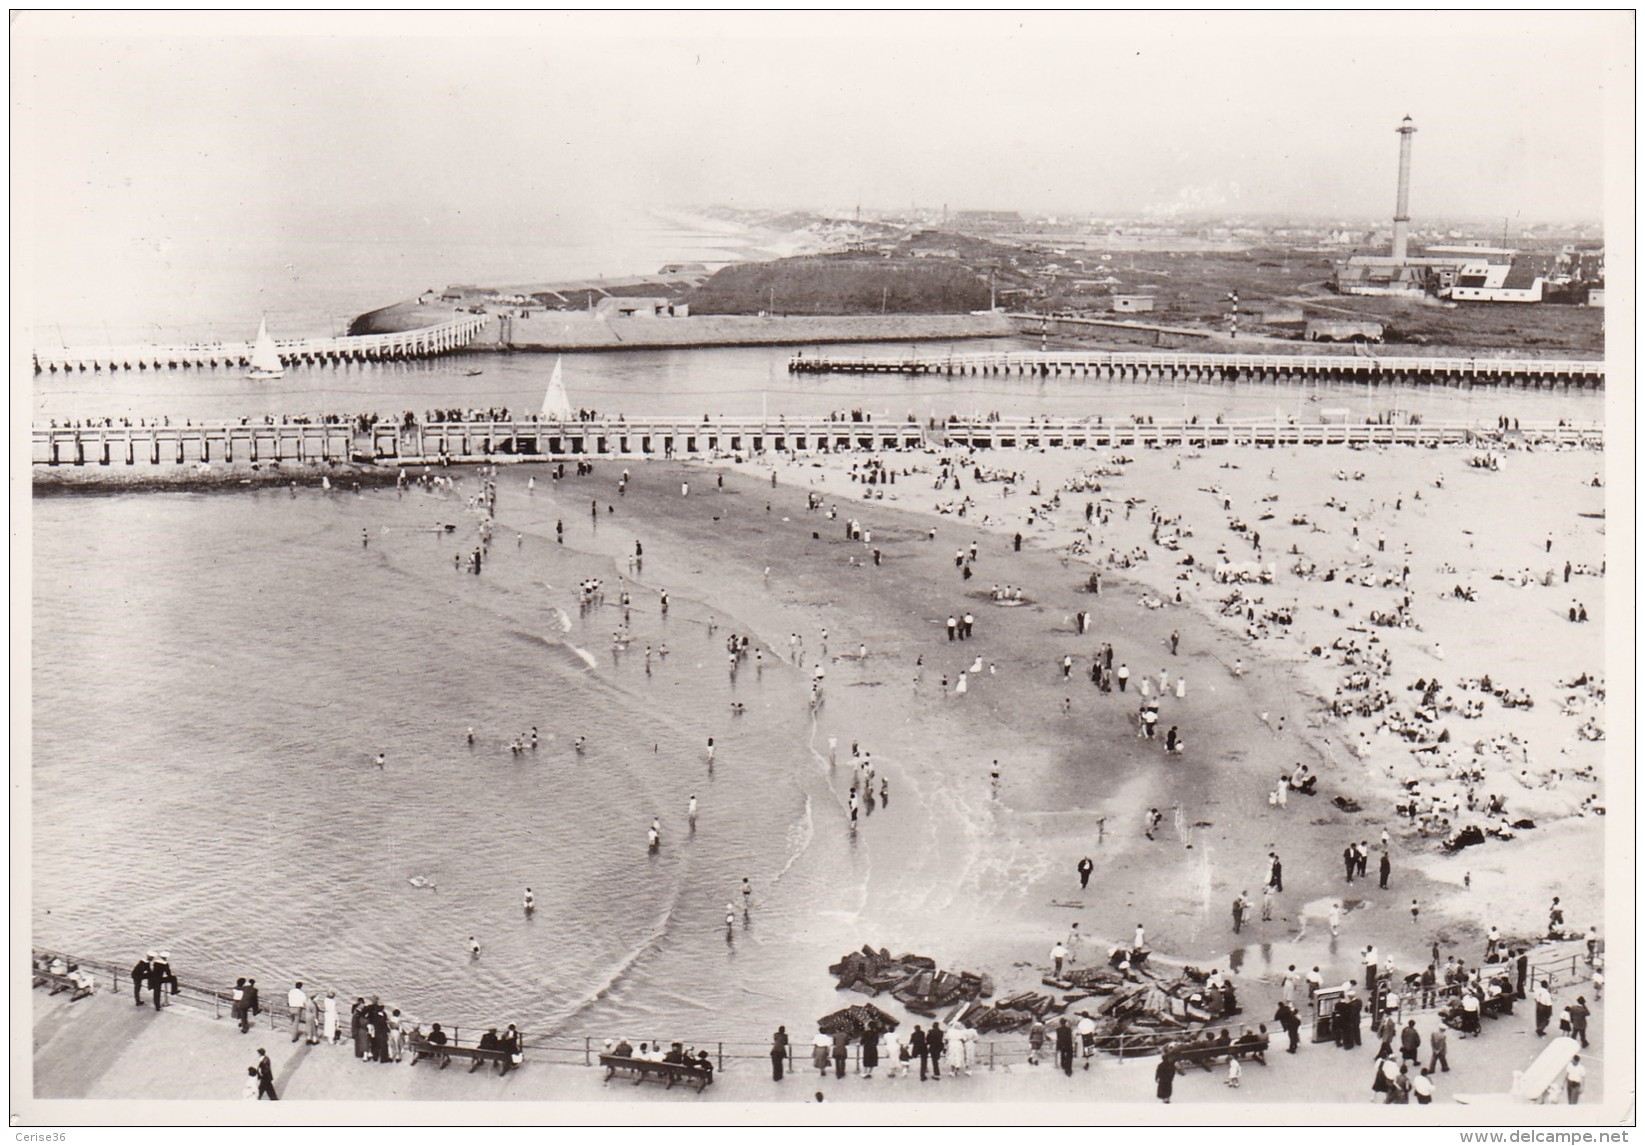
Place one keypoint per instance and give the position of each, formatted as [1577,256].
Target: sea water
[214,675]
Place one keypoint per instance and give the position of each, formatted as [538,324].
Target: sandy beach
[980,874]
[985,877]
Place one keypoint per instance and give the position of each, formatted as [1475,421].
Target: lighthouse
[1402,206]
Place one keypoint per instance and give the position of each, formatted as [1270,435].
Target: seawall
[573,330]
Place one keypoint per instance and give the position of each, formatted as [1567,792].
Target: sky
[483,122]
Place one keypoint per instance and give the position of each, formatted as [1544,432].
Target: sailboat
[556,403]
[265,359]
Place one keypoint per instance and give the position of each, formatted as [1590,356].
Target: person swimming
[530,902]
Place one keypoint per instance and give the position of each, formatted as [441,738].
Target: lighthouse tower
[1402,207]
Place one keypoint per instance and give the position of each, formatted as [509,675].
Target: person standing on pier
[297,1003]
[159,976]
[139,977]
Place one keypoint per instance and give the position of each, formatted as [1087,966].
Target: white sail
[556,403]
[265,359]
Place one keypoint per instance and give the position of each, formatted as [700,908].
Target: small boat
[265,358]
[472,373]
[422,881]
[556,402]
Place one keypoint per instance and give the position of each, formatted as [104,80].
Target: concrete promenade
[104,1047]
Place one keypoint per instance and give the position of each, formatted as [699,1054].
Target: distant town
[1164,279]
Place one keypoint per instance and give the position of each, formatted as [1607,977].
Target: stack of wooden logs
[855,1020]
[913,980]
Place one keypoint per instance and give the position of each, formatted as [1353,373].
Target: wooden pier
[522,441]
[425,343]
[1165,368]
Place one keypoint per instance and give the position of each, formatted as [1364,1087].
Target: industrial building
[1468,273]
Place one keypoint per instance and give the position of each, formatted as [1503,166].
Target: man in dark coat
[1165,1074]
[159,977]
[237,1005]
[265,1077]
[250,1006]
[1356,1007]
[1065,1047]
[917,1048]
[1085,868]
[378,1016]
[779,1053]
[935,1043]
[1290,1022]
[1384,867]
[140,977]
[488,1041]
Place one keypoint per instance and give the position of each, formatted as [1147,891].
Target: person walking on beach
[842,1044]
[1165,1075]
[1058,954]
[1085,867]
[1122,674]
[779,1053]
[1241,906]
[1276,873]
[1385,866]
[1268,902]
[1334,917]
[936,1043]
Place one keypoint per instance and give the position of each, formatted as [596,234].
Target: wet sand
[986,880]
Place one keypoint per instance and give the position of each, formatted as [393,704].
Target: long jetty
[534,440]
[1168,367]
[442,338]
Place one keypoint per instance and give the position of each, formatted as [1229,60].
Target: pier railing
[997,1051]
[572,1050]
[426,342]
[534,440]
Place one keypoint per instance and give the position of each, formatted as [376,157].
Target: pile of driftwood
[855,1020]
[1148,1008]
[1012,1013]
[913,980]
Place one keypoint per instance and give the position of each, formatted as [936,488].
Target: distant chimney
[1402,207]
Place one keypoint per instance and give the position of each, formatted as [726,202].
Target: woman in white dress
[331,1017]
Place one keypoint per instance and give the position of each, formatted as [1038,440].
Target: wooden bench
[670,1072]
[443,1054]
[1208,1056]
[58,984]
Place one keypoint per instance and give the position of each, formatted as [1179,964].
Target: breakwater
[536,440]
[424,342]
[557,330]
